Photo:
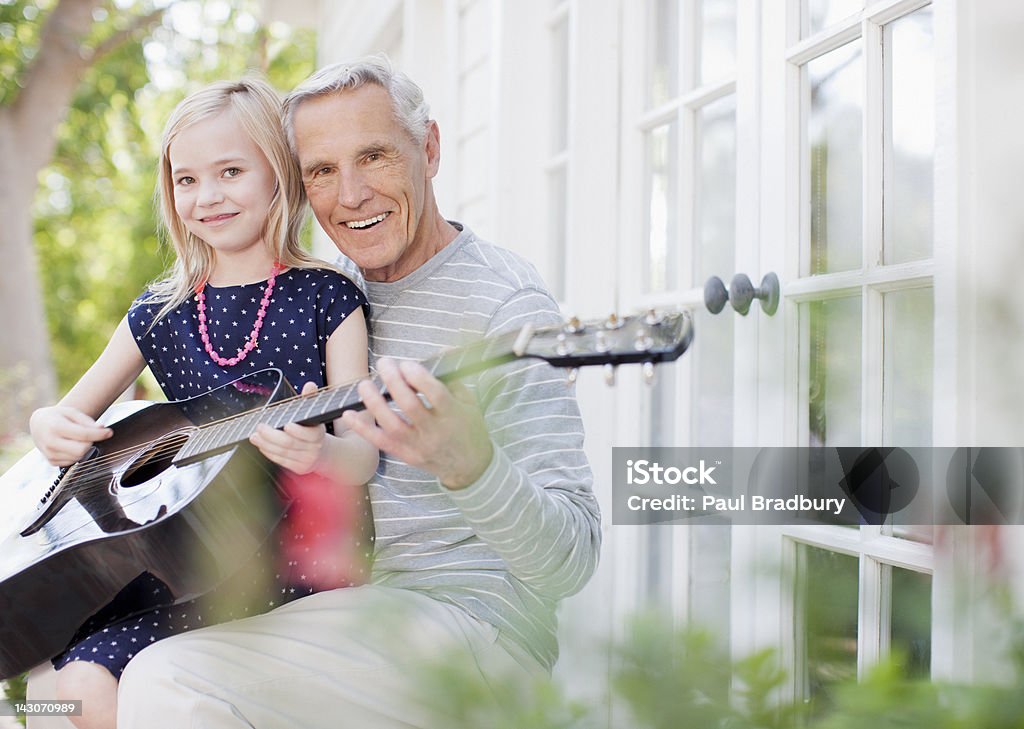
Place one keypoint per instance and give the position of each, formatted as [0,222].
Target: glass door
[848,155]
[680,170]
[800,143]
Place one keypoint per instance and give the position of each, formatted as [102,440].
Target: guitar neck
[644,339]
[329,403]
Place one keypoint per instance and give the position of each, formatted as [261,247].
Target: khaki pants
[345,658]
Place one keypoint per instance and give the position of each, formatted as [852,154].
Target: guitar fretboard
[329,403]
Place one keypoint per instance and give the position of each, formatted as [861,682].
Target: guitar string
[100,463]
[270,408]
[89,468]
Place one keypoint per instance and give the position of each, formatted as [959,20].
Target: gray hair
[411,110]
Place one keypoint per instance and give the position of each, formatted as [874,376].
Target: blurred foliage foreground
[665,678]
[671,679]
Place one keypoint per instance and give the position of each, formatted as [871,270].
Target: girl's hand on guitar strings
[64,434]
[295,447]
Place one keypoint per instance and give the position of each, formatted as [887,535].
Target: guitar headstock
[645,338]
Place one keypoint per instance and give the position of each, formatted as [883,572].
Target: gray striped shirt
[527,533]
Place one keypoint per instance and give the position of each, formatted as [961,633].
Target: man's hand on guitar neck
[64,434]
[442,432]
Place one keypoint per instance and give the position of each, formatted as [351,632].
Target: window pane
[714,254]
[911,621]
[661,261]
[661,406]
[834,141]
[718,39]
[710,550]
[663,58]
[833,365]
[713,380]
[910,53]
[716,189]
[908,361]
[658,572]
[823,13]
[661,413]
[827,602]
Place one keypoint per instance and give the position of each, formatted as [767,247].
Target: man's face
[367,179]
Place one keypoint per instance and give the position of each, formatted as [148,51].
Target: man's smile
[360,224]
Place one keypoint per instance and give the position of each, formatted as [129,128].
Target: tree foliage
[95,224]
[666,677]
[94,229]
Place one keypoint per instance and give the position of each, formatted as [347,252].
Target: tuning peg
[601,341]
[643,340]
[653,317]
[573,374]
[613,321]
[523,339]
[648,372]
[573,326]
[609,374]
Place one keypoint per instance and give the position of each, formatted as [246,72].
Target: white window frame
[783,219]
[682,108]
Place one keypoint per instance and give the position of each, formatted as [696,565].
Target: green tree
[81,238]
[45,50]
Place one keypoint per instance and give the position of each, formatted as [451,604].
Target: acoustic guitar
[178,491]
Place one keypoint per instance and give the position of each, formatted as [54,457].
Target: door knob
[715,295]
[741,294]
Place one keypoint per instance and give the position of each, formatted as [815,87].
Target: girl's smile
[216,219]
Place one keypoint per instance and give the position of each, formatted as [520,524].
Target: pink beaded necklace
[253,338]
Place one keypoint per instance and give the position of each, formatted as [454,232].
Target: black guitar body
[71,540]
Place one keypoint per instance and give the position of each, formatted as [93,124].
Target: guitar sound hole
[154,460]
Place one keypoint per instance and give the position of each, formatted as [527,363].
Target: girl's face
[223,185]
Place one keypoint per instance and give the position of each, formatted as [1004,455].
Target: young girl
[240,297]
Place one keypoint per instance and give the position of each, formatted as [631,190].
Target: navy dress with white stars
[306,306]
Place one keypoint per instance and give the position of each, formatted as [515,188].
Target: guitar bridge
[56,482]
[50,502]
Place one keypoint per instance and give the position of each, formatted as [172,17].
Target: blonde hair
[257,108]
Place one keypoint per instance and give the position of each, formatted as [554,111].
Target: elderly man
[482,505]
